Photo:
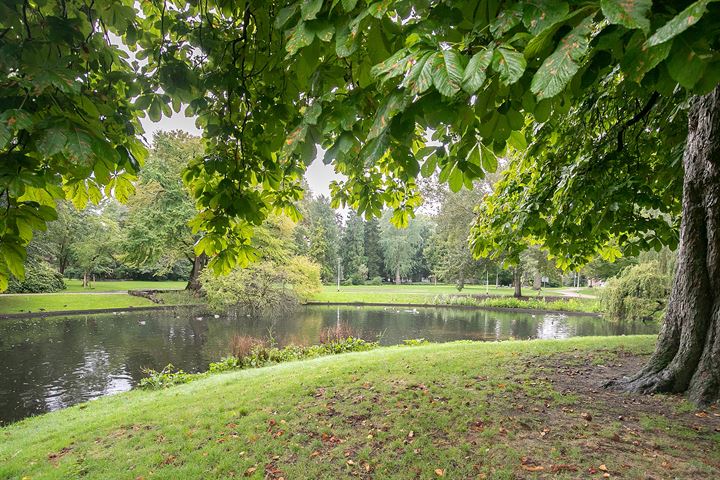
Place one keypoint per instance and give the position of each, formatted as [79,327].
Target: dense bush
[263,286]
[640,292]
[374,281]
[167,377]
[40,277]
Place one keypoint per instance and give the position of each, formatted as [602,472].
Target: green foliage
[260,355]
[570,305]
[388,89]
[40,277]
[640,292]
[402,248]
[415,342]
[156,235]
[167,377]
[263,286]
[374,281]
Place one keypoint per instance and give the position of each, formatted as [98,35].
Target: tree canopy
[377,83]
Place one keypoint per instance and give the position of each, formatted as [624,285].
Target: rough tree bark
[198,265]
[398,279]
[687,354]
[517,281]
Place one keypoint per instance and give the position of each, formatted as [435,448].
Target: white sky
[318,174]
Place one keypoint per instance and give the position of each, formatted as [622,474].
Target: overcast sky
[318,174]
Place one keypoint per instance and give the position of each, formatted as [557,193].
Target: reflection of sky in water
[50,363]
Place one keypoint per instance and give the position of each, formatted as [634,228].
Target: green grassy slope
[402,412]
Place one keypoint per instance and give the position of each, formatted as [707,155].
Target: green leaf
[5,136]
[299,37]
[455,180]
[348,5]
[17,119]
[559,68]
[640,58]
[425,79]
[681,22]
[79,146]
[448,74]
[14,256]
[476,71]
[392,105]
[284,15]
[542,14]
[488,159]
[629,13]
[685,65]
[310,8]
[345,44]
[322,29]
[510,64]
[393,66]
[52,141]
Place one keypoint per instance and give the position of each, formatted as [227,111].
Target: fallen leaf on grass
[250,471]
[603,468]
[533,468]
[440,472]
[314,454]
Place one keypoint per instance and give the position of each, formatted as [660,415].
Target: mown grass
[59,302]
[449,410]
[449,295]
[74,285]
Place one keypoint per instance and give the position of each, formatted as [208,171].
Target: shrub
[337,333]
[40,277]
[374,281]
[304,277]
[225,364]
[640,292]
[263,286]
[414,342]
[167,377]
[243,345]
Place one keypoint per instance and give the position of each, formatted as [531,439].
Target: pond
[51,363]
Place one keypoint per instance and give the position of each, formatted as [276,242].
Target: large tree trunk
[398,279]
[687,354]
[517,281]
[198,265]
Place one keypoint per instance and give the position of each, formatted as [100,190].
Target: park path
[573,292]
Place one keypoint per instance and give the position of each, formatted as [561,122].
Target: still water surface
[51,363]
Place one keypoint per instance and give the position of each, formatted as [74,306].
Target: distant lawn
[74,285]
[61,302]
[419,294]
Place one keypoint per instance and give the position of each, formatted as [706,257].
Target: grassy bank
[461,410]
[449,295]
[74,285]
[59,302]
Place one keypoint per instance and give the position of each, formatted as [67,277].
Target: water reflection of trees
[53,362]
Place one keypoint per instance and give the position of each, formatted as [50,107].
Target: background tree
[402,247]
[373,249]
[354,261]
[156,231]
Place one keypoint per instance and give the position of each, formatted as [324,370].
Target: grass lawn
[458,410]
[74,285]
[50,302]
[419,294]
[407,293]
